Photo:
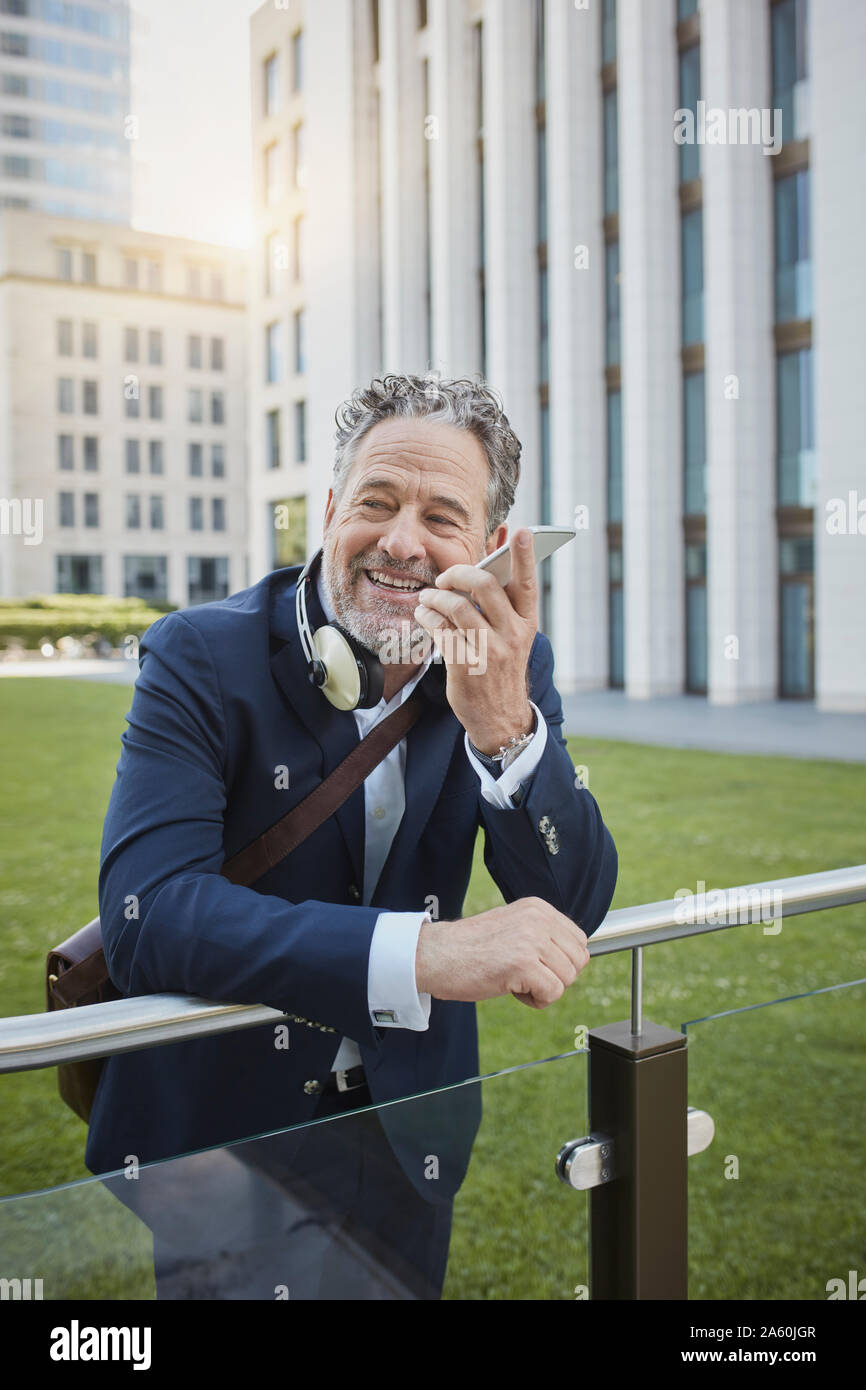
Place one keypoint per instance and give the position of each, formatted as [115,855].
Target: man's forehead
[422,446]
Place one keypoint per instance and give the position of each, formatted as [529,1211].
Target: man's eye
[445,519]
[373,504]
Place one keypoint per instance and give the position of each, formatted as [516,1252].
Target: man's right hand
[526,948]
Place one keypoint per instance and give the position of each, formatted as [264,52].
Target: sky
[190,93]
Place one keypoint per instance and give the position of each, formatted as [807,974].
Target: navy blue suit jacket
[222,701]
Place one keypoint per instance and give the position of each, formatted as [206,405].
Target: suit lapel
[429,745]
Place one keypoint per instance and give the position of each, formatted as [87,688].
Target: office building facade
[639,219]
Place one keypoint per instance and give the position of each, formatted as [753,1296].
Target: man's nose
[403,538]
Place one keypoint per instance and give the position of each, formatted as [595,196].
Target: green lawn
[771,1078]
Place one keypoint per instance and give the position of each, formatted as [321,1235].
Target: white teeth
[395,583]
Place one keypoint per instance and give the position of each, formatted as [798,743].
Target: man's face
[412,505]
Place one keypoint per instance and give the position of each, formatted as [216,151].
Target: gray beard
[374,630]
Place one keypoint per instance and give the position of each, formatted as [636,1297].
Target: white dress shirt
[392,996]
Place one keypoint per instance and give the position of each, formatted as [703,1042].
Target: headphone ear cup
[355,677]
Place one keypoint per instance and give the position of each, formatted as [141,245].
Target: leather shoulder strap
[294,827]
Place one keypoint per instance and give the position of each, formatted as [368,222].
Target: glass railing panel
[449,1194]
[776,1205]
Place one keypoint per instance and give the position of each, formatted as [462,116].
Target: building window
[274,352]
[300,431]
[608,31]
[796,627]
[789,29]
[65,395]
[272,242]
[154,276]
[300,248]
[693,277]
[89,340]
[79,574]
[272,173]
[616,618]
[686,8]
[611,281]
[131,402]
[154,347]
[696,618]
[795,430]
[217,355]
[193,357]
[130,344]
[196,514]
[130,272]
[272,84]
[145,576]
[217,285]
[273,438]
[194,458]
[155,402]
[133,511]
[64,338]
[611,155]
[91,454]
[297,60]
[132,453]
[218,513]
[157,513]
[207,578]
[299,171]
[91,508]
[288,523]
[217,460]
[614,456]
[193,281]
[300,341]
[66,508]
[64,263]
[690,91]
[157,459]
[194,405]
[694,445]
[217,408]
[65,452]
[793,249]
[88,269]
[90,397]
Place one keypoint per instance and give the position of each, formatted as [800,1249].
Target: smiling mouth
[389,585]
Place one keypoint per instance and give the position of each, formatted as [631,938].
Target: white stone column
[453,191]
[511,260]
[649,220]
[576,341]
[737,182]
[403,232]
[836,47]
[332,251]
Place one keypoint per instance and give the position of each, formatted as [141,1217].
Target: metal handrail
[31,1041]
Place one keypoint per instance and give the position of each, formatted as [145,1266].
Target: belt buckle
[342,1084]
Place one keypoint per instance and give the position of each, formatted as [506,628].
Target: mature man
[357,935]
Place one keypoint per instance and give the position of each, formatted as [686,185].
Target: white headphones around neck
[348,674]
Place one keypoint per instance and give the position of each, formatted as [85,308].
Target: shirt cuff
[499,790]
[392,995]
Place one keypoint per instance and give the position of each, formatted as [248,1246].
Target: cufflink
[385,1015]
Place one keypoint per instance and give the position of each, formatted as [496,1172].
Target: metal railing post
[638,1096]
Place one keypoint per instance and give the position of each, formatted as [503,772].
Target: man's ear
[329,509]
[496,539]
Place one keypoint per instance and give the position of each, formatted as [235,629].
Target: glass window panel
[90,339]
[611,153]
[797,467]
[608,31]
[91,508]
[132,455]
[614,456]
[694,445]
[611,282]
[793,248]
[64,337]
[133,511]
[690,91]
[65,451]
[91,453]
[616,631]
[693,277]
[145,576]
[66,501]
[696,635]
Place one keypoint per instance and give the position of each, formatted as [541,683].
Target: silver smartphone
[545,540]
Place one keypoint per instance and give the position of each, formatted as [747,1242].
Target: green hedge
[31,621]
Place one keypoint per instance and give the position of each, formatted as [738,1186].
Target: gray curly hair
[469,404]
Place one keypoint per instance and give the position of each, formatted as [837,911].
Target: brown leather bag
[76,970]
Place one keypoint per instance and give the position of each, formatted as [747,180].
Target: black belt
[349,1080]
